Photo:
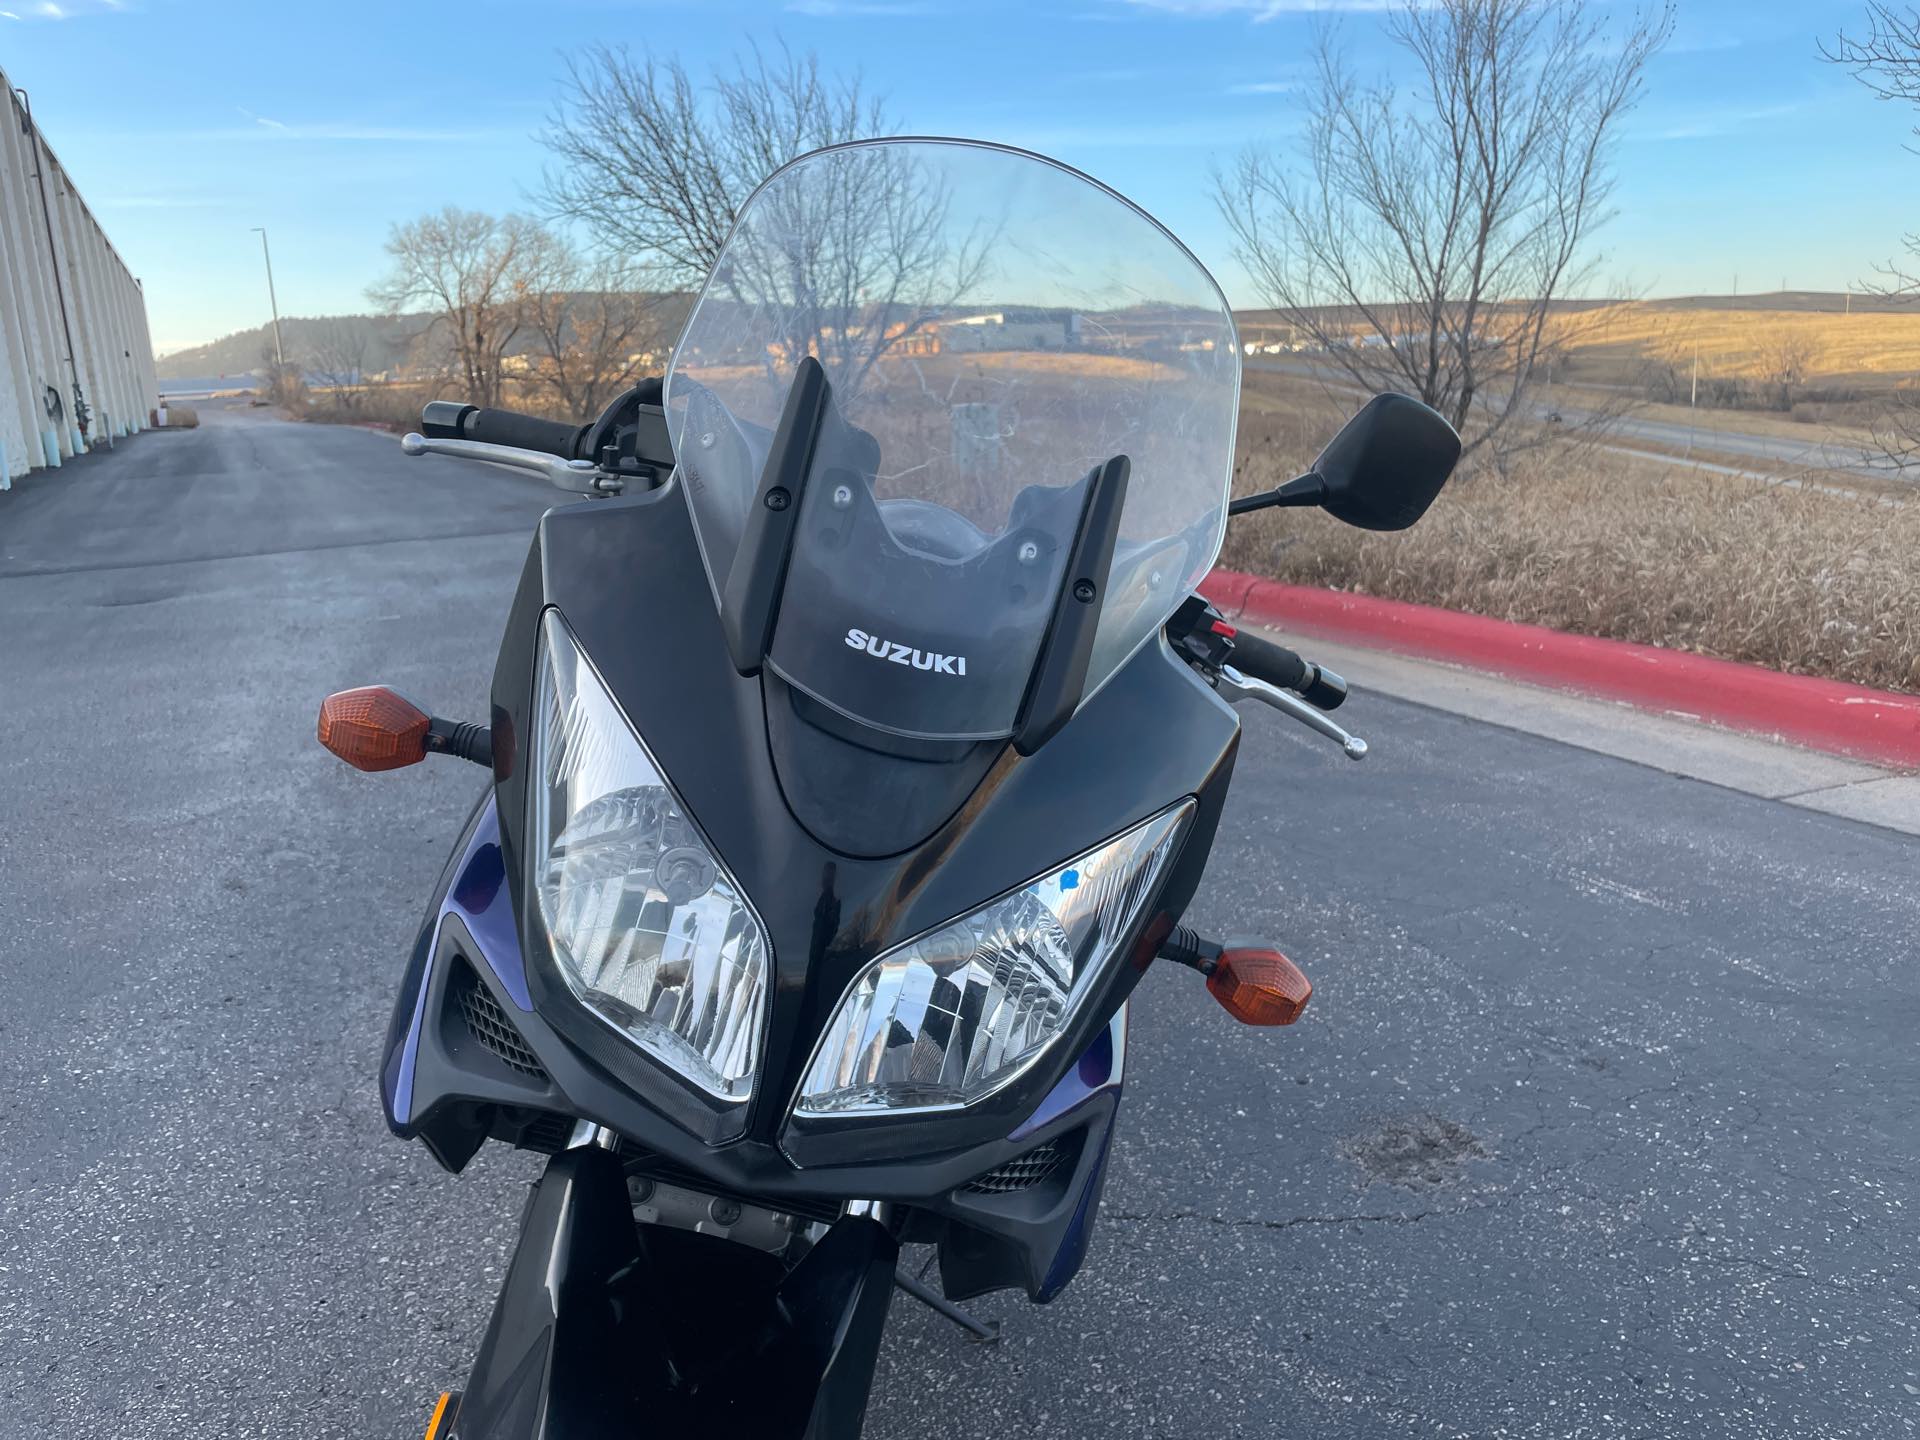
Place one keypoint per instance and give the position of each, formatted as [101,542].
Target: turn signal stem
[461,738]
[1191,948]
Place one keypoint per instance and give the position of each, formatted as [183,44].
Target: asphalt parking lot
[1602,1124]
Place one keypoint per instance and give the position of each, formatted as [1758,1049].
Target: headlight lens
[649,931]
[953,1016]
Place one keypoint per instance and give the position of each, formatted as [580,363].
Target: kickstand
[985,1332]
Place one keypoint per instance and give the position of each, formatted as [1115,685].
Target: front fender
[608,1328]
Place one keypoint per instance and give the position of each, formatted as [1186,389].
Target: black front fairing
[845,853]
[626,576]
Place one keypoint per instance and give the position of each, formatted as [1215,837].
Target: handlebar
[450,420]
[1264,660]
[1289,670]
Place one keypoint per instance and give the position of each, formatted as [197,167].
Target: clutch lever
[579,476]
[1234,687]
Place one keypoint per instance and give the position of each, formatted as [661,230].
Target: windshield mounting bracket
[751,600]
[1060,674]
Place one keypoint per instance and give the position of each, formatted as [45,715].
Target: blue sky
[185,122]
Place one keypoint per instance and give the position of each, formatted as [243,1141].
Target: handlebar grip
[1264,660]
[527,432]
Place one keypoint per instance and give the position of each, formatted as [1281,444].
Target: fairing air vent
[488,1023]
[1021,1173]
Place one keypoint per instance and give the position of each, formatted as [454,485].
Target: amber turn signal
[372,728]
[1259,987]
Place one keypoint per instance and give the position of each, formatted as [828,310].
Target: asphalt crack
[1255,1223]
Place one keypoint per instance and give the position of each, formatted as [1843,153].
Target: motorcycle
[857,740]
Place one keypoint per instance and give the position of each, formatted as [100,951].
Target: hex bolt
[723,1211]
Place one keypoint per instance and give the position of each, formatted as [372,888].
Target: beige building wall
[76,365]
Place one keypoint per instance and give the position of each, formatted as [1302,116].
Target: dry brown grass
[1866,347]
[1602,544]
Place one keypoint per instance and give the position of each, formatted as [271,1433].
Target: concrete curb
[1876,725]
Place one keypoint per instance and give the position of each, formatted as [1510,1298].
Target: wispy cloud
[1261,87]
[1701,43]
[274,131]
[1713,123]
[1257,10]
[63,9]
[260,119]
[164,202]
[841,9]
[1196,134]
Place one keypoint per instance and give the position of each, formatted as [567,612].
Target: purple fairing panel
[1100,1070]
[1073,1244]
[1101,1067]
[477,892]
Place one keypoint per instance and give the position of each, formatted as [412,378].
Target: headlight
[953,1016]
[649,931]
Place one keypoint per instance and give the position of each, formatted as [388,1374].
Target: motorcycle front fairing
[844,788]
[827,913]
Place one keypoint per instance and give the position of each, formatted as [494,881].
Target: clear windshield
[994,328]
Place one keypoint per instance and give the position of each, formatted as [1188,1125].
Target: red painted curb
[1875,725]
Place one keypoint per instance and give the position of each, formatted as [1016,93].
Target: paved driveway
[1602,1124]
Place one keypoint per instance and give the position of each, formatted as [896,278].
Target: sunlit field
[1868,347]
[1592,541]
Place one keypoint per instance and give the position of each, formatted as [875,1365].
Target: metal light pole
[279,355]
[1693,399]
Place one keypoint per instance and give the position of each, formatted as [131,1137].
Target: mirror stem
[1307,489]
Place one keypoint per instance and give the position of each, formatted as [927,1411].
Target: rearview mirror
[1381,471]
[1387,463]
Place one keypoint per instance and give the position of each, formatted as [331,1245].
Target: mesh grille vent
[1022,1173]
[491,1027]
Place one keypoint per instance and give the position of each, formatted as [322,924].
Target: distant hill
[1833,302]
[378,341]
[338,344]
[1813,302]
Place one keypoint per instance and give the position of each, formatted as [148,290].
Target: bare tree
[845,260]
[285,387]
[593,331]
[654,166]
[1789,355]
[339,359]
[1425,237]
[1886,59]
[471,272]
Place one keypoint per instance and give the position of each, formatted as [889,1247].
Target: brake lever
[579,476]
[1234,687]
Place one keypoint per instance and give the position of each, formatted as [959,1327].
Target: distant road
[201,385]
[1813,454]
